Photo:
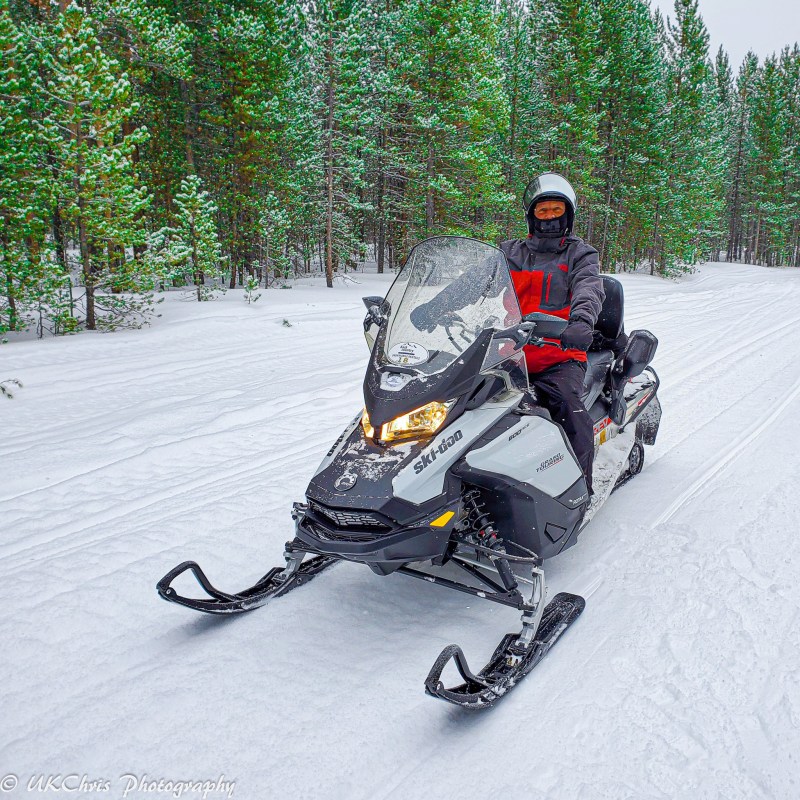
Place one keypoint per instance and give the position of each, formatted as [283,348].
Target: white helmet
[546,186]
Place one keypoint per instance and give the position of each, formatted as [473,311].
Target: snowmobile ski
[511,662]
[278,581]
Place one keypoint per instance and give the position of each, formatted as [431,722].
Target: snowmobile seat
[598,364]
[612,315]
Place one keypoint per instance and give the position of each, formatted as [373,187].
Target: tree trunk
[329,164]
[429,198]
[655,243]
[430,166]
[86,262]
[381,257]
[12,303]
[83,236]
[756,254]
[187,100]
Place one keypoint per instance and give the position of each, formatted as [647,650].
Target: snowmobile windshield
[450,289]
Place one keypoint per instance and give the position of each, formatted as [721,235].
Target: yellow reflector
[440,522]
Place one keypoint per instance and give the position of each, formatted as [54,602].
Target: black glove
[600,342]
[577,335]
[619,344]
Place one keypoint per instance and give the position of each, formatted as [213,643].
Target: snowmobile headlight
[369,431]
[423,421]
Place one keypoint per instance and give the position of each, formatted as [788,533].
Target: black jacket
[570,284]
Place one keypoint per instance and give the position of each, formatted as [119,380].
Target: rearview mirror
[372,301]
[374,317]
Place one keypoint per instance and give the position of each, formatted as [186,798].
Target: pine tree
[691,206]
[522,151]
[194,244]
[453,114]
[741,159]
[243,123]
[630,131]
[24,195]
[89,101]
[790,91]
[572,73]
[341,49]
[768,143]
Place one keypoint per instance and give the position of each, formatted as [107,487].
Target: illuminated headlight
[423,421]
[369,431]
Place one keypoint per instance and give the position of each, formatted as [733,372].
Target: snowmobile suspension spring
[478,519]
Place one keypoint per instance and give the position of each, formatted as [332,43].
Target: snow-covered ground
[125,453]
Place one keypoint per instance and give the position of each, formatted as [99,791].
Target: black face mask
[550,228]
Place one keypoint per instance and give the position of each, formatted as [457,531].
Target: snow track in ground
[127,453]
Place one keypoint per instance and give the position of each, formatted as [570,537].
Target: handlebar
[535,329]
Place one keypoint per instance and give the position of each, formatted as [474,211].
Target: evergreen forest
[149,144]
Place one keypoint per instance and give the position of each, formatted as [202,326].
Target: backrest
[612,315]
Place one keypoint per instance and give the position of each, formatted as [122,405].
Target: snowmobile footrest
[274,584]
[510,663]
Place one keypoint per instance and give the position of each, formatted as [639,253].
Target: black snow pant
[559,390]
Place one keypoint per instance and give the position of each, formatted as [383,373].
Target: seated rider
[556,272]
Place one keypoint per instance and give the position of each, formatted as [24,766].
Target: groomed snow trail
[127,453]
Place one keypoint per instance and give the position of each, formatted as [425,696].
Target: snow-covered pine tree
[453,112]
[340,48]
[244,129]
[24,194]
[691,208]
[296,181]
[572,74]
[275,226]
[384,158]
[194,245]
[522,151]
[630,131]
[725,99]
[790,80]
[89,99]
[767,238]
[741,161]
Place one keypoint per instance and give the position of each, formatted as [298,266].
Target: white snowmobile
[453,473]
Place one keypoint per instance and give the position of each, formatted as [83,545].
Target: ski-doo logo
[426,459]
[345,482]
[550,462]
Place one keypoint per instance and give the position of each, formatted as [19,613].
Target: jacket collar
[540,245]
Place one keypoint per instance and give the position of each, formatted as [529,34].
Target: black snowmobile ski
[511,662]
[278,581]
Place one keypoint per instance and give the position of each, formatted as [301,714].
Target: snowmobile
[453,473]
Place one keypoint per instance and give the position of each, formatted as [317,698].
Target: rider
[556,272]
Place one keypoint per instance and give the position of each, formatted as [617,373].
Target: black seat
[609,325]
[612,314]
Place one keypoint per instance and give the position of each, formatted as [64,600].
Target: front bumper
[418,542]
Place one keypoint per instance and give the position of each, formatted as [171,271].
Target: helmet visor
[548,185]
